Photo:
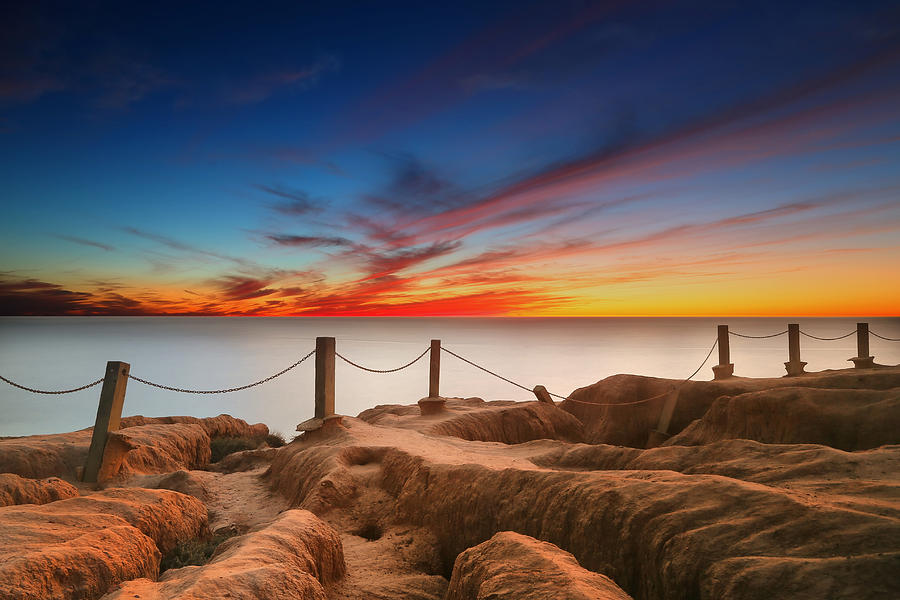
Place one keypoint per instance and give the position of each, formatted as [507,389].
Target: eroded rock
[21,490]
[516,424]
[143,445]
[296,556]
[657,533]
[220,426]
[844,419]
[609,418]
[511,566]
[79,547]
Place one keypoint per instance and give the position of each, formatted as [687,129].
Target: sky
[564,158]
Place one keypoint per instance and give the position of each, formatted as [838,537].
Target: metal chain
[827,339]
[757,337]
[225,391]
[518,385]
[34,391]
[884,338]
[409,364]
[681,383]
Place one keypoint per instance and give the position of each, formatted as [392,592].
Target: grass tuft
[275,440]
[223,446]
[195,551]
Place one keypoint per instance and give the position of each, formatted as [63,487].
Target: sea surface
[562,354]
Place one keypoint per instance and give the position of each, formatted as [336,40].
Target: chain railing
[757,337]
[225,390]
[884,338]
[488,371]
[36,391]
[569,398]
[371,370]
[112,394]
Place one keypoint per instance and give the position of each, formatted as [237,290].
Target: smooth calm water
[211,352]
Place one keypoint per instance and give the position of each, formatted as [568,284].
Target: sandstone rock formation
[215,427]
[142,445]
[20,490]
[79,547]
[844,419]
[609,418]
[296,556]
[510,566]
[154,449]
[426,506]
[515,424]
[670,522]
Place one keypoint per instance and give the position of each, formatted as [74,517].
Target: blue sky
[564,158]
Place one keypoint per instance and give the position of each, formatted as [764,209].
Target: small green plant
[275,440]
[195,551]
[223,446]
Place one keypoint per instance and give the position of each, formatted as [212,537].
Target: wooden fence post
[794,366]
[433,403]
[434,370]
[862,359]
[324,377]
[725,368]
[109,416]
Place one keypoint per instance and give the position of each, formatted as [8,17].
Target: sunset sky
[486,158]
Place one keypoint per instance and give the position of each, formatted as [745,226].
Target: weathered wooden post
[324,377]
[725,368]
[433,403]
[541,393]
[434,370]
[794,366]
[324,390]
[109,415]
[862,359]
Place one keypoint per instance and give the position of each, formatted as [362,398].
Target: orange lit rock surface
[220,426]
[142,445]
[79,547]
[295,556]
[481,496]
[20,490]
[517,567]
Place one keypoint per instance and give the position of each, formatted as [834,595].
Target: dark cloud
[308,241]
[292,202]
[415,188]
[382,264]
[35,297]
[235,287]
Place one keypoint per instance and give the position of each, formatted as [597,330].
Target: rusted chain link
[827,339]
[757,337]
[225,391]
[519,385]
[884,338]
[409,364]
[465,360]
[681,383]
[34,391]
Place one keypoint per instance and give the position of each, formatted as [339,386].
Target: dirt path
[240,499]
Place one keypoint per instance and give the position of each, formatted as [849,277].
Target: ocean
[562,354]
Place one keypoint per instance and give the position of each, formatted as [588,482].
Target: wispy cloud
[262,87]
[85,242]
[180,246]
